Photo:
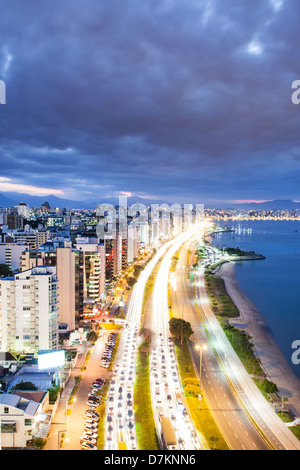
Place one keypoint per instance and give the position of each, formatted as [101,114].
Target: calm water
[273,285]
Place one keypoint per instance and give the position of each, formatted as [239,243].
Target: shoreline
[250,320]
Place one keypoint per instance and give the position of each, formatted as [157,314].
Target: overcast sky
[181,100]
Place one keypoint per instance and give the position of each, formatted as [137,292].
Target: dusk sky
[186,101]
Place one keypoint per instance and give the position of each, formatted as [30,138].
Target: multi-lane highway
[120,420]
[243,415]
[166,390]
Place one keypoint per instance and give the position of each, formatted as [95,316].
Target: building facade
[29,311]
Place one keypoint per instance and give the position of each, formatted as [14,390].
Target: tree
[137,270]
[180,329]
[25,386]
[92,336]
[131,281]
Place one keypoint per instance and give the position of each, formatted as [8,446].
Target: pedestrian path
[60,420]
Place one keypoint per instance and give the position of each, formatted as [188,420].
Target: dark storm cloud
[154,97]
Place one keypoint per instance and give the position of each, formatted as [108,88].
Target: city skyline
[164,101]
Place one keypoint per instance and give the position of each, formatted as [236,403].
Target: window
[28,422]
[6,410]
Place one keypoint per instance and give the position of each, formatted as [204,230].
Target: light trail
[166,390]
[119,420]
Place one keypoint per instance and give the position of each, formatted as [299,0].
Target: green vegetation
[286,418]
[145,424]
[92,336]
[24,386]
[221,303]
[40,443]
[180,329]
[150,283]
[101,410]
[149,288]
[225,310]
[242,345]
[174,261]
[53,393]
[137,270]
[204,422]
[131,281]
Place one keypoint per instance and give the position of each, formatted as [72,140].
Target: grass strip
[144,418]
[101,410]
[203,420]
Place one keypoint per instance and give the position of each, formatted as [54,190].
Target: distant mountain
[12,199]
[114,201]
[268,205]
[6,202]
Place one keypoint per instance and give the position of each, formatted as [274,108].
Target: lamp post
[201,348]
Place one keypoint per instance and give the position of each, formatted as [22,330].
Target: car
[92,396]
[88,446]
[91,420]
[91,434]
[130,425]
[88,439]
[129,413]
[92,403]
[97,385]
[92,413]
[93,400]
[92,407]
[90,427]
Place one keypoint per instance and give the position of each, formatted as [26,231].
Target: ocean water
[273,284]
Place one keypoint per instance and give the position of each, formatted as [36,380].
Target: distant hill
[6,202]
[12,199]
[269,205]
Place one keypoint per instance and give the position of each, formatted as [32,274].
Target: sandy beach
[250,319]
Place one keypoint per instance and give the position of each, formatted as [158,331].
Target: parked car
[88,446]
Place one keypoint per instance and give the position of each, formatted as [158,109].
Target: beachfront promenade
[266,348]
[260,413]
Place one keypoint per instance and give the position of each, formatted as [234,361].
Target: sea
[273,284]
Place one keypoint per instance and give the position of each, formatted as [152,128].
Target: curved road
[234,399]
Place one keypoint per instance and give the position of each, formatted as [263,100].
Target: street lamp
[201,348]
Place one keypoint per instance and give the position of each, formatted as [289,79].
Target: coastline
[266,348]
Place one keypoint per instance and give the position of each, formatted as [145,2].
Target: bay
[273,284]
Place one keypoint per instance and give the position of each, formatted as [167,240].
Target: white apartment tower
[29,311]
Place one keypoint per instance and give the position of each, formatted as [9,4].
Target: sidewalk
[60,419]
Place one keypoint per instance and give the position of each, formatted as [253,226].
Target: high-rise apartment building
[29,311]
[93,268]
